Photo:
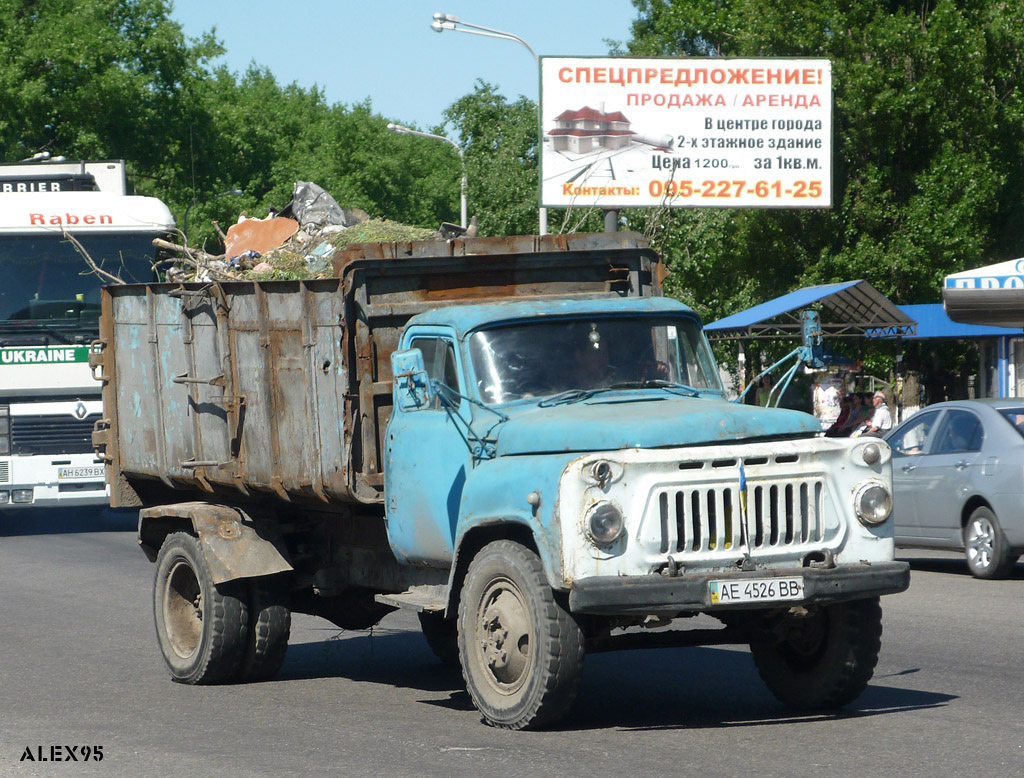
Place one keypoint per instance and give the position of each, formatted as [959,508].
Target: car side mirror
[412,385]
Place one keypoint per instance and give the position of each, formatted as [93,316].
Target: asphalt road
[79,666]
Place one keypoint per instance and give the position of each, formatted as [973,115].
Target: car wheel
[271,622]
[441,635]
[985,547]
[202,628]
[824,659]
[520,648]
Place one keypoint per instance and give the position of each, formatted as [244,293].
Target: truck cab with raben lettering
[536,455]
[49,312]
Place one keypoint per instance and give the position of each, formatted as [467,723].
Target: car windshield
[1016,418]
[47,282]
[546,358]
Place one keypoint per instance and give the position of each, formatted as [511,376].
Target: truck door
[426,461]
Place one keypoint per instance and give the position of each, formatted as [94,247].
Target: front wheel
[822,659]
[203,629]
[521,650]
[985,547]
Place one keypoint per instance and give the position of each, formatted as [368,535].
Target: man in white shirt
[881,419]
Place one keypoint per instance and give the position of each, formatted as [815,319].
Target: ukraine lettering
[43,356]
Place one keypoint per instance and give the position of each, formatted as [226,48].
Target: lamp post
[462,159]
[184,228]
[444,22]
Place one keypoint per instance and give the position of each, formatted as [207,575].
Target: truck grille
[61,434]
[707,518]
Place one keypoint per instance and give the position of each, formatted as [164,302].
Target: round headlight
[604,523]
[873,503]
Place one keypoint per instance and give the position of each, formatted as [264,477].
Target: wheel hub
[505,636]
[183,610]
[981,543]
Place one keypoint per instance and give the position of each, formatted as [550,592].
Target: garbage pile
[295,243]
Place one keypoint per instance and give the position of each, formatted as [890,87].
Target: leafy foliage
[928,157]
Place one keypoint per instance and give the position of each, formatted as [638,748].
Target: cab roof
[466,318]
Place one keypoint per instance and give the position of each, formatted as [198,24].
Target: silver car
[958,481]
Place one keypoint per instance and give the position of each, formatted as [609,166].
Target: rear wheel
[271,626]
[442,636]
[985,547]
[521,650]
[824,659]
[202,628]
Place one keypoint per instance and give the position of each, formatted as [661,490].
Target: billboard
[689,132]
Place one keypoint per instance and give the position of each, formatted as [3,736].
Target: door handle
[962,464]
[908,468]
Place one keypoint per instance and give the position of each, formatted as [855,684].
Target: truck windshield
[48,285]
[546,358]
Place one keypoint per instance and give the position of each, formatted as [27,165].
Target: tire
[824,660]
[202,628]
[442,635]
[521,650]
[985,547]
[271,623]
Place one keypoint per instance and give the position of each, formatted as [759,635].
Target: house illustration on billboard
[590,129]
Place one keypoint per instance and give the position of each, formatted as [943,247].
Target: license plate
[756,590]
[80,472]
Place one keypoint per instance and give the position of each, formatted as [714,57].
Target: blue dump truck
[519,438]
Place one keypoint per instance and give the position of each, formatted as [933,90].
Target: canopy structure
[848,309]
[992,295]
[932,323]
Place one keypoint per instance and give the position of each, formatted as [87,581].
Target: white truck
[49,311]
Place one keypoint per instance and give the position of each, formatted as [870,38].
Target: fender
[235,545]
[496,502]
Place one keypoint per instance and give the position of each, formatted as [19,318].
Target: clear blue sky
[385,49]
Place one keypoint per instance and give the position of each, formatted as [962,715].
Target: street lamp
[188,207]
[444,22]
[462,158]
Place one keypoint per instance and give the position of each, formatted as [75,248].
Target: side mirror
[412,385]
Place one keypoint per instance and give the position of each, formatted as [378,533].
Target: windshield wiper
[569,396]
[660,383]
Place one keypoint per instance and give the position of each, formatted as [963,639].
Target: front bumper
[650,594]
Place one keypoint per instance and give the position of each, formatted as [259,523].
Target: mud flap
[235,545]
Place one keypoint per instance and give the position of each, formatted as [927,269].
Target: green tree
[500,142]
[94,78]
[928,159]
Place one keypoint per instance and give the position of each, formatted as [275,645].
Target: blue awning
[992,295]
[932,322]
[849,308]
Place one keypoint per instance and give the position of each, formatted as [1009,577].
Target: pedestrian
[881,419]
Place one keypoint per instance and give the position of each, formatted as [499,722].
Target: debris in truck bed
[297,242]
[261,235]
